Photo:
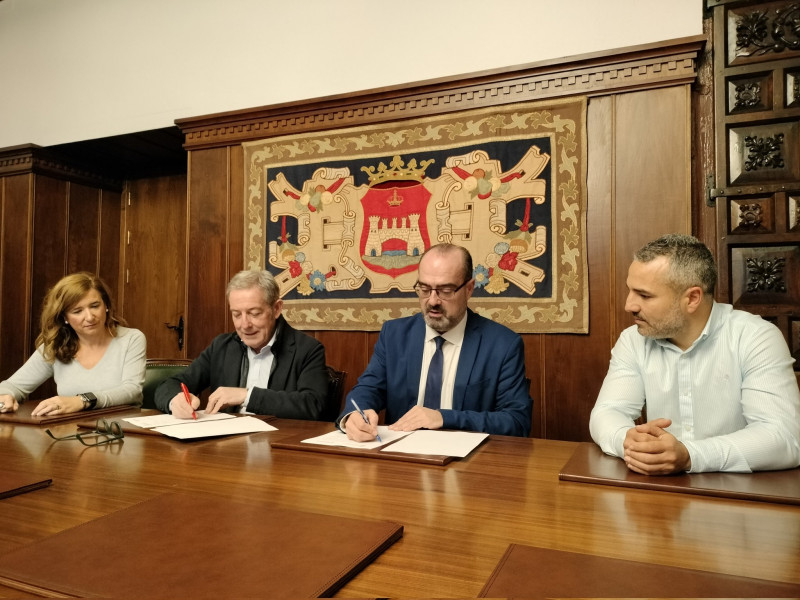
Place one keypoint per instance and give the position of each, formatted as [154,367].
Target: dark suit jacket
[490,394]
[298,383]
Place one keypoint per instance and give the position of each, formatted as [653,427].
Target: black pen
[366,420]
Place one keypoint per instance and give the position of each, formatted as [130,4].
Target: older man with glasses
[446,367]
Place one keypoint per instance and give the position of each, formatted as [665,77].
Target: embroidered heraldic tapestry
[341,217]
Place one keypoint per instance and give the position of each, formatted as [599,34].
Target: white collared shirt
[732,396]
[259,370]
[451,350]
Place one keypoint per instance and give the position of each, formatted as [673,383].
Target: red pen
[188,399]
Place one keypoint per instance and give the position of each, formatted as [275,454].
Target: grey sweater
[116,379]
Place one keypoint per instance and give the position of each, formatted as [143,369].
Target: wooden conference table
[458,519]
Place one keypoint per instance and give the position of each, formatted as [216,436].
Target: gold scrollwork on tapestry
[345,238]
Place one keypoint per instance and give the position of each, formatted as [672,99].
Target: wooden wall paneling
[50,250]
[536,364]
[575,365]
[49,241]
[51,226]
[83,229]
[108,247]
[208,227]
[652,193]
[640,162]
[153,294]
[347,351]
[16,209]
[236,236]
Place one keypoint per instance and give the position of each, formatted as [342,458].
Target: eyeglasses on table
[105,432]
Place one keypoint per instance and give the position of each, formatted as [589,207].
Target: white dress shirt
[732,396]
[451,350]
[259,370]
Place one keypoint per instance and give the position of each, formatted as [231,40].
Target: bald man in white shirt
[717,383]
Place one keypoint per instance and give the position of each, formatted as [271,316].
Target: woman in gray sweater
[94,360]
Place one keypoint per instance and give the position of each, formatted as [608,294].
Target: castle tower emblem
[395,231]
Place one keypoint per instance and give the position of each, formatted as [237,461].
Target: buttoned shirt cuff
[343,419]
[618,441]
[243,407]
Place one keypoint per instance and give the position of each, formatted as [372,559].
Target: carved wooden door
[757,188]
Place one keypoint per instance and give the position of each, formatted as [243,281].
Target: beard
[665,328]
[442,320]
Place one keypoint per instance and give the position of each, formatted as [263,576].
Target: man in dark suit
[266,367]
[479,383]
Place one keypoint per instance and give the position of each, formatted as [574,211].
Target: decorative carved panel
[751,215]
[757,154]
[764,153]
[793,89]
[793,213]
[750,93]
[762,275]
[762,31]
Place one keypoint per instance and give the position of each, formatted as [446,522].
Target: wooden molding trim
[30,158]
[641,67]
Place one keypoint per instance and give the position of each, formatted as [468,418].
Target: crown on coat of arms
[397,171]
[395,200]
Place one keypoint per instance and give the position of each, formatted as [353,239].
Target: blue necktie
[433,385]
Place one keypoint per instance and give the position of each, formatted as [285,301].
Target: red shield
[395,230]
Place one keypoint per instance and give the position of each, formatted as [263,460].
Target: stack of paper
[205,425]
[422,441]
[337,438]
[444,443]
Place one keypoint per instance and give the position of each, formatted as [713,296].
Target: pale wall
[73,70]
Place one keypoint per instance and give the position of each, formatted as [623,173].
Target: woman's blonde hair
[58,339]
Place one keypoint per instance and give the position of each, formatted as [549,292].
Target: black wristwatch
[89,401]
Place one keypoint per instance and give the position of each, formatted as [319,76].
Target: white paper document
[201,428]
[164,420]
[337,438]
[439,443]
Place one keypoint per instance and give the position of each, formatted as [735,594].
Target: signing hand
[225,396]
[419,417]
[180,408]
[58,405]
[359,430]
[651,450]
